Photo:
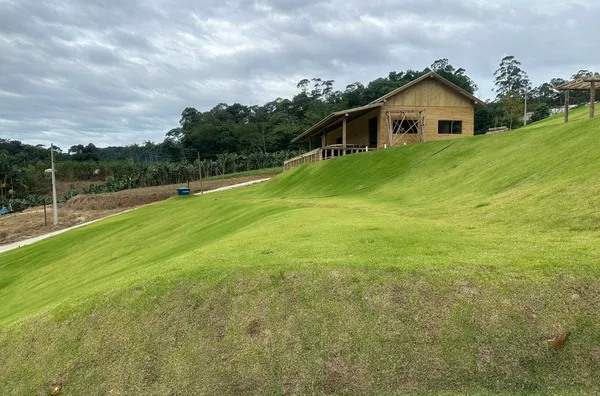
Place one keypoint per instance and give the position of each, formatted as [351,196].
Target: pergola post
[592,98]
[583,85]
[344,122]
[567,106]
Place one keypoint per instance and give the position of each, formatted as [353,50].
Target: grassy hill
[434,268]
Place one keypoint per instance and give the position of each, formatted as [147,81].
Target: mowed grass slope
[434,268]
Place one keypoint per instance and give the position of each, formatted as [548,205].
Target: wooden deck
[324,153]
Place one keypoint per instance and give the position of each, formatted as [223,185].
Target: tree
[545,93]
[353,95]
[12,176]
[542,112]
[456,76]
[583,74]
[484,119]
[510,79]
[81,153]
[76,149]
[512,106]
[303,84]
[512,84]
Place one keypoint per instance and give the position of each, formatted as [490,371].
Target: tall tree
[512,106]
[510,79]
[542,112]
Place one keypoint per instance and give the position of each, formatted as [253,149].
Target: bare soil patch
[340,377]
[253,328]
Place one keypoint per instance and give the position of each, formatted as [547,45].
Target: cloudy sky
[115,72]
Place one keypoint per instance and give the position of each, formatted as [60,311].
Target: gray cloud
[116,72]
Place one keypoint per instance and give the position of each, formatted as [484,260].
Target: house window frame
[451,129]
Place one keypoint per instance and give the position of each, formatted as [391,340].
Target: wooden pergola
[583,84]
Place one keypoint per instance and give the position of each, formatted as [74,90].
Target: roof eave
[324,121]
[311,129]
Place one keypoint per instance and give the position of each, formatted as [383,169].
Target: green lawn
[439,268]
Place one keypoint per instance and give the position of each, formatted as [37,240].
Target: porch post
[309,145]
[566,106]
[323,140]
[592,98]
[344,133]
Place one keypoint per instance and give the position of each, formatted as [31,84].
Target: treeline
[144,174]
[270,127]
[237,137]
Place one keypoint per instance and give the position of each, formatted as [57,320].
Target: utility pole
[525,114]
[200,172]
[54,201]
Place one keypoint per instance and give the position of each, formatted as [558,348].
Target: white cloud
[113,72]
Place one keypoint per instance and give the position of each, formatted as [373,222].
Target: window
[450,127]
[406,126]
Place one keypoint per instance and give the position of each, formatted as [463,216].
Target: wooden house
[428,108]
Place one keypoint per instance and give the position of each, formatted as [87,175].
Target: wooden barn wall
[440,103]
[357,131]
[429,93]
[432,116]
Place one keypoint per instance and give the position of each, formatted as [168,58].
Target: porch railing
[324,153]
[311,156]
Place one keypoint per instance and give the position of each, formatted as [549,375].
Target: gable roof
[431,74]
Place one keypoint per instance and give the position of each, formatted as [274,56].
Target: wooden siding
[429,93]
[432,116]
[440,103]
[357,131]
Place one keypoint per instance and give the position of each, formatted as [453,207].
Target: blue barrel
[183,191]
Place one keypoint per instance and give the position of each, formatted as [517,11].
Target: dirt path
[15,245]
[248,183]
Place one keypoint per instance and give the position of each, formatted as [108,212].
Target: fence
[323,153]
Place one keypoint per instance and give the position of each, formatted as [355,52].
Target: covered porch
[341,133]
